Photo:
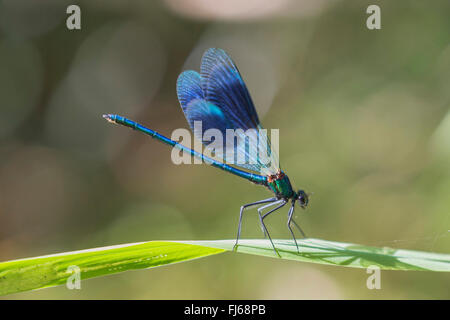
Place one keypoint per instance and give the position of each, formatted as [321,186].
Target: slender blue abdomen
[255,178]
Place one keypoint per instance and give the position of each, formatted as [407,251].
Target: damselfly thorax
[280,185]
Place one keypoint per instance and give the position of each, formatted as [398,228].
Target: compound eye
[301,200]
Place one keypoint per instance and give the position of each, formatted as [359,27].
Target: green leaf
[339,254]
[52,270]
[46,271]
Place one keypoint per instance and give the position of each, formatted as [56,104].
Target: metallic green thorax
[281,185]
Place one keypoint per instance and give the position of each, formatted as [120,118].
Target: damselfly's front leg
[299,229]
[290,213]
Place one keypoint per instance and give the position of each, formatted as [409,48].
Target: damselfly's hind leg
[283,203]
[242,211]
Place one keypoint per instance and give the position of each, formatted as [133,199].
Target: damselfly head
[302,198]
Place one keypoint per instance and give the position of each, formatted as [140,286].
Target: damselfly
[219,99]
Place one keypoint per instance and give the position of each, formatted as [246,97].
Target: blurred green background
[364,124]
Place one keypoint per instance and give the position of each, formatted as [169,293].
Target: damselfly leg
[299,229]
[260,209]
[290,213]
[283,203]
[242,211]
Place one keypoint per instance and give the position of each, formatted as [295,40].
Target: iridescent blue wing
[189,88]
[218,99]
[222,85]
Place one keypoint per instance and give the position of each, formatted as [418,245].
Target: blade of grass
[339,254]
[46,271]
[52,270]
